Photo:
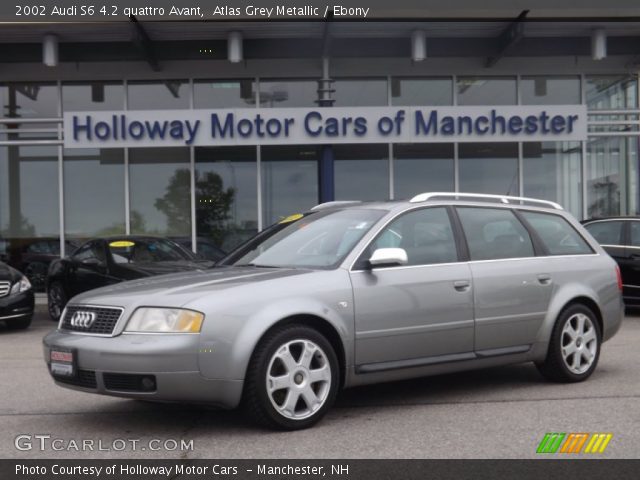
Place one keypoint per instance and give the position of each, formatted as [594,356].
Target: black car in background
[620,237]
[207,250]
[104,261]
[16,298]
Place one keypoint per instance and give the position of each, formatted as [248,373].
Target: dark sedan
[16,298]
[104,261]
[620,237]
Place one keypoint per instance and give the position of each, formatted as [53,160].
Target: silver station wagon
[351,294]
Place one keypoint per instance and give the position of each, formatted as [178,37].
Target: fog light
[148,383]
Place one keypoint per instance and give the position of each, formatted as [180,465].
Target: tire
[574,348]
[19,324]
[56,300]
[292,357]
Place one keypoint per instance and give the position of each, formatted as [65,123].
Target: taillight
[619,275]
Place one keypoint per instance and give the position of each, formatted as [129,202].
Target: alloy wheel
[298,379]
[579,343]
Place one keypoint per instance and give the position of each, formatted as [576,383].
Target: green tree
[213,202]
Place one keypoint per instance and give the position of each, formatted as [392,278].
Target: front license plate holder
[63,362]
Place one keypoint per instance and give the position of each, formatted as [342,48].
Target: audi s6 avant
[352,294]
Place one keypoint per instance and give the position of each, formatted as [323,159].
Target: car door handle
[462,285]
[544,279]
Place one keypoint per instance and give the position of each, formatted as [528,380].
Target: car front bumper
[112,366]
[14,307]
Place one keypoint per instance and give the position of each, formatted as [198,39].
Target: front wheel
[574,348]
[56,300]
[292,380]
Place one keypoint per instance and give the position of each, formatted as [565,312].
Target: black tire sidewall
[58,286]
[556,343]
[264,354]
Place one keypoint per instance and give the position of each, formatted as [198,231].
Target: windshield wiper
[256,265]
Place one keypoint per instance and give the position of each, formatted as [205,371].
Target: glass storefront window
[552,171]
[361,172]
[226,197]
[29,215]
[550,90]
[421,91]
[611,92]
[167,94]
[289,180]
[486,90]
[489,168]
[612,176]
[288,93]
[91,96]
[160,191]
[99,210]
[224,94]
[29,100]
[360,92]
[422,167]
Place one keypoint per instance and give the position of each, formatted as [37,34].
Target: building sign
[282,126]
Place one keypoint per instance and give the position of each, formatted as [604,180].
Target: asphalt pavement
[496,413]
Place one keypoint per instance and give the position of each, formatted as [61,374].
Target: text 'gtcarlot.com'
[45,442]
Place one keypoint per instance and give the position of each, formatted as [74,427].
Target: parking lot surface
[496,413]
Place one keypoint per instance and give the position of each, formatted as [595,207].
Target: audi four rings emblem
[83,319]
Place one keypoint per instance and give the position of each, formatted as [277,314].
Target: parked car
[620,237]
[16,298]
[352,294]
[105,261]
[32,257]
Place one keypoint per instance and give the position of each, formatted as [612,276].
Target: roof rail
[506,199]
[335,203]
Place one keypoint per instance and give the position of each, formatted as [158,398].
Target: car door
[512,285]
[418,313]
[88,268]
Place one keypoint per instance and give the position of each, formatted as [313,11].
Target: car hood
[162,268]
[177,289]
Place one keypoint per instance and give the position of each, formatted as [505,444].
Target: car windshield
[321,240]
[146,250]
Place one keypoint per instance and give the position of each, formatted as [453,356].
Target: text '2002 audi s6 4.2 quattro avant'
[351,294]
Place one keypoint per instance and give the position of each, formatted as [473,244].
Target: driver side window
[90,250]
[426,235]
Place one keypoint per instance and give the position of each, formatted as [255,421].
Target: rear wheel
[574,348]
[56,300]
[292,380]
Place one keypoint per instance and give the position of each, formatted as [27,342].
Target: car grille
[4,288]
[84,379]
[126,382]
[104,323]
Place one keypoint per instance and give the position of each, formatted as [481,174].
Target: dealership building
[215,130]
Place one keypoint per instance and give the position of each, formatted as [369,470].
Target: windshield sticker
[122,244]
[292,218]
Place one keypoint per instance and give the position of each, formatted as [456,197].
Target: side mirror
[388,257]
[92,262]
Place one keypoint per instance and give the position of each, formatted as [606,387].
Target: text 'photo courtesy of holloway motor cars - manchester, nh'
[347,240]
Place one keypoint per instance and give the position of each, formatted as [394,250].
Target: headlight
[20,286]
[169,320]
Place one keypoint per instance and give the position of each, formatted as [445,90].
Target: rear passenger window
[493,233]
[606,233]
[426,235]
[557,235]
